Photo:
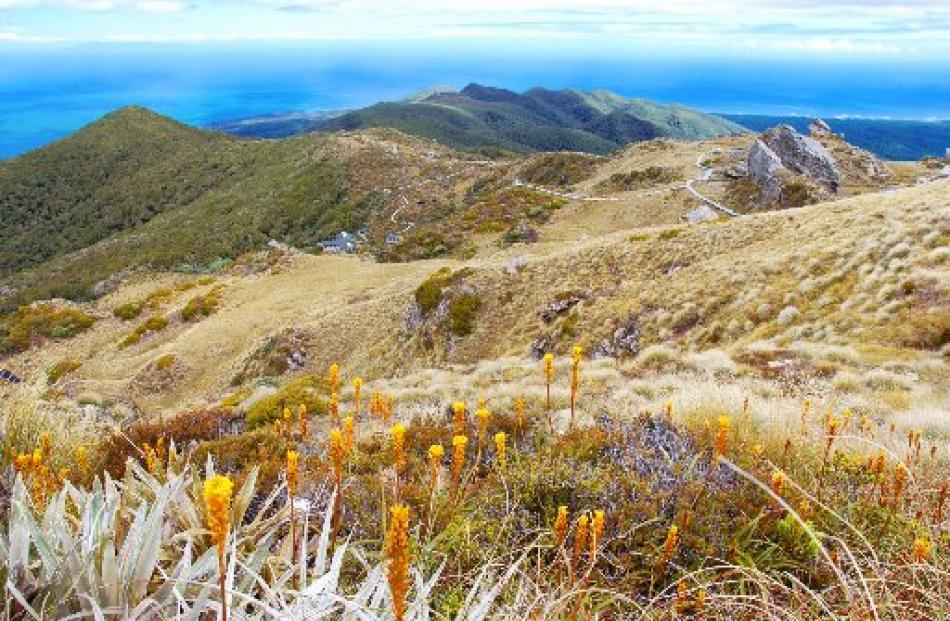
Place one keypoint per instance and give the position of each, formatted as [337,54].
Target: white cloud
[100,6]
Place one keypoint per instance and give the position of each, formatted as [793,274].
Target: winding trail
[706,174]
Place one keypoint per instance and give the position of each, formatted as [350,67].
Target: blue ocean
[49,91]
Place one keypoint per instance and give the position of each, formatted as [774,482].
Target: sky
[914,30]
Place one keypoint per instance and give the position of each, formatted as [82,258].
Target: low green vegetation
[60,370]
[155,323]
[639,179]
[307,390]
[20,329]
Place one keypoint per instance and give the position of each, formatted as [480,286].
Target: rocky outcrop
[818,129]
[790,169]
[803,155]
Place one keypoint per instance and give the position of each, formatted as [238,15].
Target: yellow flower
[596,531]
[560,526]
[217,495]
[348,434]
[458,409]
[722,437]
[921,550]
[500,448]
[292,472]
[778,482]
[334,378]
[436,451]
[397,553]
[302,420]
[669,546]
[398,433]
[45,444]
[669,409]
[549,367]
[338,453]
[483,416]
[757,451]
[458,456]
[519,412]
[334,407]
[580,537]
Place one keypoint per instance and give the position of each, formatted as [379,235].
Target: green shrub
[42,320]
[306,390]
[462,310]
[155,323]
[59,370]
[128,311]
[429,293]
[669,234]
[201,305]
[165,362]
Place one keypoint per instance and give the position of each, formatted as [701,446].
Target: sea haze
[48,91]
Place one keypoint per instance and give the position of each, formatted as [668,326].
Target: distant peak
[432,91]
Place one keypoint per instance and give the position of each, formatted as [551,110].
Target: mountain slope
[537,120]
[139,189]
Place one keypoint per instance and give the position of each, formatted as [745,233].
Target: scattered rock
[516,265]
[703,213]
[787,315]
[561,305]
[624,341]
[819,129]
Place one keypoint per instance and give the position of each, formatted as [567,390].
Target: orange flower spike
[349,436]
[560,526]
[334,378]
[398,434]
[670,544]
[921,550]
[217,496]
[483,416]
[338,453]
[458,410]
[293,472]
[580,537]
[458,456]
[436,452]
[397,555]
[596,531]
[302,420]
[357,392]
[500,449]
[722,437]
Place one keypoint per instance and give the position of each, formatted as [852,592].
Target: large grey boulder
[803,155]
[767,170]
[790,169]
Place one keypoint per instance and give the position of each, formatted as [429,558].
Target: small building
[393,239]
[343,242]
